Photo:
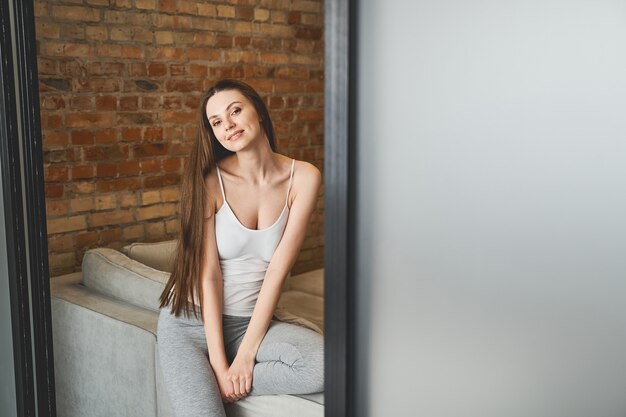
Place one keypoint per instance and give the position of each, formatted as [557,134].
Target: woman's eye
[217,122]
[236,111]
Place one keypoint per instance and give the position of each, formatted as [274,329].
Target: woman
[244,214]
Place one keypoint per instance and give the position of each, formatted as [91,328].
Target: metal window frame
[21,154]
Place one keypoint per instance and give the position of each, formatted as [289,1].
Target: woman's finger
[248,385]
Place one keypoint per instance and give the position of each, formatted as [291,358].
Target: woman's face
[234,120]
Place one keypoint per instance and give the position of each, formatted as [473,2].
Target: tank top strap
[219,178]
[293,163]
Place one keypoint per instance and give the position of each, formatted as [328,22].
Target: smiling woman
[233,272]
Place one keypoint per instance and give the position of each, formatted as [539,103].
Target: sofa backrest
[159,255]
[114,274]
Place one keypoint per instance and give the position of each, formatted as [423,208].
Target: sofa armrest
[104,353]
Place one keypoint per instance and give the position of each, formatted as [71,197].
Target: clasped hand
[236,382]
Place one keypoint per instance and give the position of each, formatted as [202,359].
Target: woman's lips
[235,135]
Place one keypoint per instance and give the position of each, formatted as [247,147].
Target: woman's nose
[229,124]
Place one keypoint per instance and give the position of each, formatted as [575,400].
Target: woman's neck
[255,165]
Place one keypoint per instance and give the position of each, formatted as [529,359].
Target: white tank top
[245,254]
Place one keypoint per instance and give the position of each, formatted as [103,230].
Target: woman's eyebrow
[229,106]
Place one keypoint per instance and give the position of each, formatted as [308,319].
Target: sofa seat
[105,348]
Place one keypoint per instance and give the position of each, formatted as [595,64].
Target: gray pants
[290,360]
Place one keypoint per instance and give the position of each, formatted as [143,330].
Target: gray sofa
[104,330]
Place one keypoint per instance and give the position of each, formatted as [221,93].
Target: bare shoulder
[306,178]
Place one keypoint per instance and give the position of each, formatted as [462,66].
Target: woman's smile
[235,135]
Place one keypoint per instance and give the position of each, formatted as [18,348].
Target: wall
[490,212]
[120,84]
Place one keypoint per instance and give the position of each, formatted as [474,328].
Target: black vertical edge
[25,215]
[37,238]
[337,220]
[14,220]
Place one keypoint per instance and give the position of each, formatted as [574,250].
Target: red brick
[108,218]
[60,243]
[180,149]
[129,168]
[110,235]
[66,224]
[203,38]
[316,115]
[178,70]
[89,119]
[53,191]
[47,66]
[192,103]
[204,54]
[156,211]
[161,181]
[150,103]
[172,102]
[138,70]
[131,134]
[157,70]
[82,204]
[242,41]
[52,103]
[82,103]
[150,166]
[66,49]
[179,117]
[106,136]
[106,68]
[51,121]
[224,41]
[244,12]
[96,86]
[152,134]
[169,53]
[80,187]
[106,170]
[56,208]
[167,6]
[129,51]
[86,239]
[52,138]
[103,153]
[171,165]
[198,70]
[119,184]
[228,71]
[55,174]
[106,103]
[136,118]
[183,85]
[82,171]
[129,103]
[81,14]
[150,149]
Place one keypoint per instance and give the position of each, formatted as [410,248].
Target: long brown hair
[185,281]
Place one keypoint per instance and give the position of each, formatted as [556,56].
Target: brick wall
[120,83]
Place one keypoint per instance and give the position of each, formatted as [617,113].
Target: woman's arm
[212,301]
[305,189]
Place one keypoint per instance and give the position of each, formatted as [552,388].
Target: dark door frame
[21,153]
[21,158]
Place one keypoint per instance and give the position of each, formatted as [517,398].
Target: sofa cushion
[110,272]
[158,255]
[311,282]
